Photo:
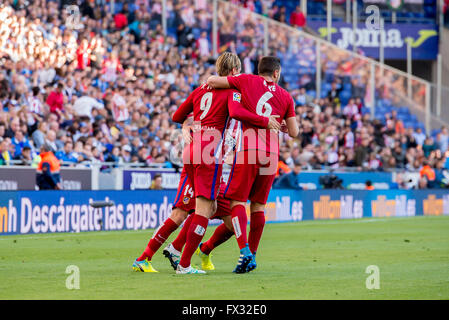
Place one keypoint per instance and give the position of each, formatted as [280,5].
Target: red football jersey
[261,98]
[210,117]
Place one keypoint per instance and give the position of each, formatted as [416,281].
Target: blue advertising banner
[140,179]
[24,212]
[28,212]
[423,39]
[289,205]
[351,180]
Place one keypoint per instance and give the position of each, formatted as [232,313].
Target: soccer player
[184,203]
[255,164]
[203,165]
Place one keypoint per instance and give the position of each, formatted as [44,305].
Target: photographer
[290,180]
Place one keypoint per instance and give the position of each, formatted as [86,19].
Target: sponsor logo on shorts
[199,230]
[186,200]
[236,225]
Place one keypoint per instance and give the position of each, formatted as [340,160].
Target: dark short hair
[268,65]
[35,91]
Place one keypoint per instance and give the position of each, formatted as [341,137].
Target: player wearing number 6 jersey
[203,163]
[255,164]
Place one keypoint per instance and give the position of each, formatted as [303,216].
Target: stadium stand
[424,11]
[105,92]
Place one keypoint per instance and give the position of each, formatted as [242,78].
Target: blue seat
[347,86]
[324,93]
[345,95]
[434,132]
[311,93]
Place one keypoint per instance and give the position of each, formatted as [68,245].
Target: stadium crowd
[103,88]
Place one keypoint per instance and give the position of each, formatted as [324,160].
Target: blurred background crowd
[103,88]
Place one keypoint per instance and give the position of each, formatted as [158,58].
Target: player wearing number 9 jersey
[255,164]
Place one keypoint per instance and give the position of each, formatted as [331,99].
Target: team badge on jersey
[237,97]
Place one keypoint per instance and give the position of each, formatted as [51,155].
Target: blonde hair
[226,62]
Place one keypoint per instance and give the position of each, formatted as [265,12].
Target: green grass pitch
[303,260]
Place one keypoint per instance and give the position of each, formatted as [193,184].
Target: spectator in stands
[56,100]
[26,156]
[185,36]
[38,136]
[19,141]
[362,152]
[297,18]
[428,146]
[5,155]
[351,109]
[121,20]
[203,45]
[83,106]
[13,127]
[443,139]
[50,141]
[67,154]
[281,15]
[334,92]
[419,136]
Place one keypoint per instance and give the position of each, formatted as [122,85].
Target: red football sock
[221,234]
[239,221]
[180,240]
[158,239]
[195,234]
[256,226]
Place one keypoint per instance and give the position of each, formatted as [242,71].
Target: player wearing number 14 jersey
[255,163]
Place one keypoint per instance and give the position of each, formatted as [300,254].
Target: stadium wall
[24,178]
[32,212]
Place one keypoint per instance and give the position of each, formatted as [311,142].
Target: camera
[331,181]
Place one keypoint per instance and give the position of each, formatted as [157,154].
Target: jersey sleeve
[184,110]
[239,112]
[238,81]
